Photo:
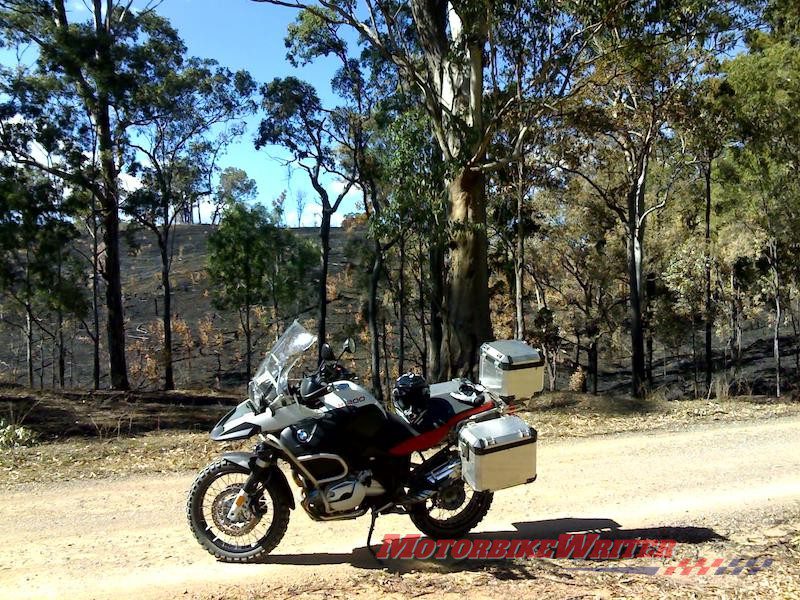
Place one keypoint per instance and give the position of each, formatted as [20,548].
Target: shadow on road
[608,529]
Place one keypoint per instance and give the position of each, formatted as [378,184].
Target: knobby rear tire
[280,509]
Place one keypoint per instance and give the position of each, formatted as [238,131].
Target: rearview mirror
[326,352]
[349,346]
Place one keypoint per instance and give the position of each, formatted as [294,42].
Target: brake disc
[219,512]
[451,497]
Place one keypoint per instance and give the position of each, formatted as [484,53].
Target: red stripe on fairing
[430,438]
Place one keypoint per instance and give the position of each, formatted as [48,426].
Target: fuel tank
[356,433]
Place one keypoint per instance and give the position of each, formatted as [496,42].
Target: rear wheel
[255,535]
[451,513]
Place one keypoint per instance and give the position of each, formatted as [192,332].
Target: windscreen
[295,340]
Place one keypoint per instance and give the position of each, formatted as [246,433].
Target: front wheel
[255,535]
[451,513]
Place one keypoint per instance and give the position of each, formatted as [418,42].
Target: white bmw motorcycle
[349,455]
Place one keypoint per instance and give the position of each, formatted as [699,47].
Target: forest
[616,182]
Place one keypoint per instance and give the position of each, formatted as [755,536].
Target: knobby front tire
[206,508]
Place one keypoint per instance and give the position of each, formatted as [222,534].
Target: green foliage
[15,436]
[36,229]
[252,261]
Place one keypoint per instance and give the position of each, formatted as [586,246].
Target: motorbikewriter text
[576,546]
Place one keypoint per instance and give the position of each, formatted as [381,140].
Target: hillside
[199,358]
[209,347]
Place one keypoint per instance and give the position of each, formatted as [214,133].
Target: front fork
[259,464]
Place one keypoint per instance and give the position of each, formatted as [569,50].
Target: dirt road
[129,538]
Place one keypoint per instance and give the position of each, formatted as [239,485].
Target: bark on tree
[95,298]
[325,239]
[401,309]
[467,312]
[709,318]
[776,347]
[636,283]
[519,260]
[109,201]
[436,253]
[169,379]
[372,317]
[29,344]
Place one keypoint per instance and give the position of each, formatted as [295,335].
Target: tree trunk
[60,329]
[41,362]
[95,302]
[248,343]
[593,365]
[401,358]
[386,356]
[635,232]
[776,332]
[422,324]
[436,253]
[29,344]
[709,319]
[776,346]
[324,236]
[637,329]
[372,309]
[468,322]
[519,258]
[169,380]
[110,207]
[694,359]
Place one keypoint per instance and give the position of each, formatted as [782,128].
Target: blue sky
[241,34]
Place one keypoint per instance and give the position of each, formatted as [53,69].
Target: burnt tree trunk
[519,257]
[169,379]
[709,318]
[436,265]
[776,347]
[372,309]
[401,286]
[95,299]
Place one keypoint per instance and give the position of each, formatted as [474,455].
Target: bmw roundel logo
[302,435]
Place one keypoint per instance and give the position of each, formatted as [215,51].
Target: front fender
[273,473]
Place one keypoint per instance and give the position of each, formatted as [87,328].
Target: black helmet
[411,392]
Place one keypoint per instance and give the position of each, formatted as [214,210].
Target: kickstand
[369,536]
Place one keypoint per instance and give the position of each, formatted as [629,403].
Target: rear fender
[273,474]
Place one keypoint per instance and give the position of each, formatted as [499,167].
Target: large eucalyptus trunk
[467,312]
[635,279]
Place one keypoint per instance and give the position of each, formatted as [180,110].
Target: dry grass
[563,414]
[93,458]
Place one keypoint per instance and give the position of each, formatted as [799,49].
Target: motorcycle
[349,455]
